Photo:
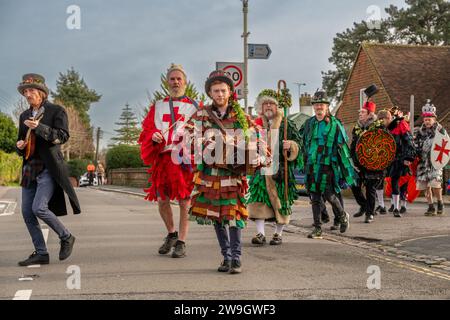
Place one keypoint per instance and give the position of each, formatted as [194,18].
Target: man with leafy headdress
[327,161]
[267,201]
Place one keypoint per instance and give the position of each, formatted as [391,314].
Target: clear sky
[124,46]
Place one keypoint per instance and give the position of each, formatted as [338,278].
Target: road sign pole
[245,36]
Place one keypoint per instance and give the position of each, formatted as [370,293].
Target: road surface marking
[421,238]
[7,207]
[45,233]
[23,295]
[412,267]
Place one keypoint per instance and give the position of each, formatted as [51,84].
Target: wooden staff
[285,106]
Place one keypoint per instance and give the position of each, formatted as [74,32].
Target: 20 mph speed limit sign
[236,72]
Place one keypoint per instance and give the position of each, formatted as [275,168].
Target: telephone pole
[245,36]
[98,145]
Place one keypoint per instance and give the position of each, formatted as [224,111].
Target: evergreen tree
[71,90]
[128,132]
[425,22]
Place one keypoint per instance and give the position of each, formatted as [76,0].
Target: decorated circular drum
[375,149]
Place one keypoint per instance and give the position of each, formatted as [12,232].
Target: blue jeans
[231,247]
[35,205]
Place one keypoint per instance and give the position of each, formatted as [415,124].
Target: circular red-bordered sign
[232,70]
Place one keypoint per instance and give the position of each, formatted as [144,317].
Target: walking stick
[285,106]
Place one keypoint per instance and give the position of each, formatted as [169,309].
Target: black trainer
[383,210]
[336,225]
[369,218]
[345,222]
[66,248]
[431,210]
[397,213]
[180,250]
[224,266]
[325,218]
[35,258]
[360,213]
[391,209]
[169,243]
[316,233]
[236,266]
[440,208]
[403,210]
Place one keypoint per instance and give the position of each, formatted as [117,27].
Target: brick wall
[132,177]
[363,75]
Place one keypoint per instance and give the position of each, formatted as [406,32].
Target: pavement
[118,235]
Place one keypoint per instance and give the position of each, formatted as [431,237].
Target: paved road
[116,253]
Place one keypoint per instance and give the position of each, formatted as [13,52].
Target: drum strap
[215,119]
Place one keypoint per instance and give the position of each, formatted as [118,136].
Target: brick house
[399,71]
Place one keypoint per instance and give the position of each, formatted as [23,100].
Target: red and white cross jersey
[183,108]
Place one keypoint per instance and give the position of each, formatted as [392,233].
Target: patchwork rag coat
[219,190]
[424,143]
[267,198]
[327,160]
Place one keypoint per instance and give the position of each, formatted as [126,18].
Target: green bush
[77,167]
[8,133]
[123,156]
[10,168]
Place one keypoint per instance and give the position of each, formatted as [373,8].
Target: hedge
[10,168]
[77,167]
[124,156]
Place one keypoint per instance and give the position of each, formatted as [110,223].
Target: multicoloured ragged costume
[220,189]
[327,162]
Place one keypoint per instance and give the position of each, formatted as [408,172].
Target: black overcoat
[52,132]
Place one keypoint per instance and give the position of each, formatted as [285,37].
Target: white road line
[23,295]
[45,233]
[10,208]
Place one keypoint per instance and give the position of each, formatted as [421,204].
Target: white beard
[269,115]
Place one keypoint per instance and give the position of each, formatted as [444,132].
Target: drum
[375,150]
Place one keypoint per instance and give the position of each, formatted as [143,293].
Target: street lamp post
[245,36]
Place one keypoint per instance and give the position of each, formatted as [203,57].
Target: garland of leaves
[284,98]
[240,115]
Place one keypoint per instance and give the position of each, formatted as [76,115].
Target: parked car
[300,182]
[84,180]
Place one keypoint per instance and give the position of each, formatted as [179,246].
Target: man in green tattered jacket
[327,161]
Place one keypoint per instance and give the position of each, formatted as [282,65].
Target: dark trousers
[367,202]
[230,247]
[317,205]
[35,205]
[324,212]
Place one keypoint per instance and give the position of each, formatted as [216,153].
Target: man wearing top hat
[327,162]
[45,177]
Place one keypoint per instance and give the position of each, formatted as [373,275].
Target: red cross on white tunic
[441,149]
[168,118]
